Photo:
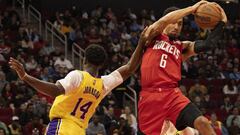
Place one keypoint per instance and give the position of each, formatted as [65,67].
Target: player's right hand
[18,67]
[223,14]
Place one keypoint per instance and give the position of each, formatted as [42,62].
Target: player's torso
[161,64]
[80,105]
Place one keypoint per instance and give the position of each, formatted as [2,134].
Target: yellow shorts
[64,127]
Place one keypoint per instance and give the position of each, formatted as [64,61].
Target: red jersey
[161,64]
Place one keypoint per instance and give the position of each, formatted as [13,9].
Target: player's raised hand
[18,67]
[195,6]
[144,36]
[223,14]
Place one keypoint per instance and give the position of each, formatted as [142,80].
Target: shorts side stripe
[58,126]
[52,127]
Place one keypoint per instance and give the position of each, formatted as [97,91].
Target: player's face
[174,29]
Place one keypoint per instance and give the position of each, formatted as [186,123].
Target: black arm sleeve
[212,39]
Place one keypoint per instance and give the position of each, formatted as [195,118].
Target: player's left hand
[195,6]
[18,67]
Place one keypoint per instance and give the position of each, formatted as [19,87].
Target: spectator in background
[46,62]
[197,90]
[3,129]
[115,46]
[31,64]
[15,127]
[125,35]
[217,125]
[45,119]
[45,75]
[220,74]
[110,100]
[109,119]
[95,127]
[59,20]
[4,49]
[8,92]
[207,103]
[230,88]
[26,44]
[34,127]
[26,113]
[65,27]
[93,37]
[235,75]
[3,81]
[234,129]
[2,102]
[191,70]
[227,105]
[2,59]
[131,119]
[39,106]
[198,102]
[63,63]
[47,49]
[237,102]
[33,35]
[125,128]
[234,118]
[115,62]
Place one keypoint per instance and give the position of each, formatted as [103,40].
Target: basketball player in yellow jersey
[80,92]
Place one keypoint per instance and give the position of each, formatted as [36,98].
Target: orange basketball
[207,16]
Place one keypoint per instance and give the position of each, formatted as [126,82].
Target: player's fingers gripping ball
[207,15]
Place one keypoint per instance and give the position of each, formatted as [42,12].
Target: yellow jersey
[79,105]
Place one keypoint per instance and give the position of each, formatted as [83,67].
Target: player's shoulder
[160,37]
[75,74]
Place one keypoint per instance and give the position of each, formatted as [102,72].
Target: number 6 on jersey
[163,61]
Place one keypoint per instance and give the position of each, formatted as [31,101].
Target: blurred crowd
[23,111]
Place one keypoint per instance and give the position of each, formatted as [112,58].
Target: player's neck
[93,70]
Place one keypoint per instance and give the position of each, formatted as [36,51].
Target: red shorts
[157,105]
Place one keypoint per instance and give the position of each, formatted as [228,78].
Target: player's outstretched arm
[172,17]
[50,89]
[134,62]
[192,48]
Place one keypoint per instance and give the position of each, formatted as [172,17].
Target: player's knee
[201,122]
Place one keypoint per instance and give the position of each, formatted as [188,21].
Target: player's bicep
[187,50]
[111,81]
[71,82]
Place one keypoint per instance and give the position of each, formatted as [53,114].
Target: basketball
[207,16]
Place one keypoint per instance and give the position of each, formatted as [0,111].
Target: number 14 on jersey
[83,108]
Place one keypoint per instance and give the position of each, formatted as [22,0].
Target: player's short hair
[95,54]
[170,9]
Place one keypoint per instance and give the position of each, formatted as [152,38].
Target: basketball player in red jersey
[160,98]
